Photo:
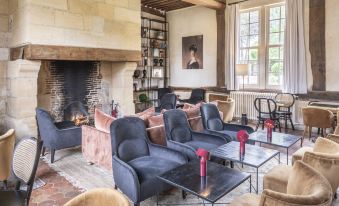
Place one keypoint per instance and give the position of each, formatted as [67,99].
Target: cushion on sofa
[146,113]
[102,121]
[156,120]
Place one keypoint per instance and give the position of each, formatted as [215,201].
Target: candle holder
[242,137]
[269,124]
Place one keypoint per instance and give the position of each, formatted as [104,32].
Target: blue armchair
[180,136]
[213,124]
[168,101]
[56,138]
[137,162]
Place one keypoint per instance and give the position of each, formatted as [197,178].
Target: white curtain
[232,18]
[295,78]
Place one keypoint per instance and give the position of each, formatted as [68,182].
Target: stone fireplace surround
[27,88]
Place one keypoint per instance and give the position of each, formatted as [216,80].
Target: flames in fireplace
[77,113]
[80,119]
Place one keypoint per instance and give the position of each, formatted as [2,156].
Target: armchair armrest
[185,149]
[209,138]
[334,137]
[166,153]
[216,133]
[323,145]
[126,179]
[236,127]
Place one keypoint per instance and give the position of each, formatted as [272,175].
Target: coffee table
[219,181]
[254,156]
[278,139]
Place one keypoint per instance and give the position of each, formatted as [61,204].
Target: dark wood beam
[317,44]
[153,11]
[50,52]
[221,47]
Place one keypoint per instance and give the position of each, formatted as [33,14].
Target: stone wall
[113,24]
[4,35]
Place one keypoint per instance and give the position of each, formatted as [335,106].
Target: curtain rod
[237,2]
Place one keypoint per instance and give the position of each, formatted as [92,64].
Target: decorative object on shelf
[163,45]
[162,54]
[135,86]
[156,52]
[145,53]
[155,44]
[143,98]
[269,124]
[144,73]
[192,52]
[114,112]
[161,62]
[137,73]
[243,70]
[242,137]
[143,32]
[204,156]
[155,62]
[161,35]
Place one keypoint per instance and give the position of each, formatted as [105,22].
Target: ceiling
[165,5]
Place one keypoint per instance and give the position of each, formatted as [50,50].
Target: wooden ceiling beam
[153,11]
[212,4]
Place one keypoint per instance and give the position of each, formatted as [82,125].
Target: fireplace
[71,90]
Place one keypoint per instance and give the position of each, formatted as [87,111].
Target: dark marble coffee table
[219,181]
[254,156]
[278,139]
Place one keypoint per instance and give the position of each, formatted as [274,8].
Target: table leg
[287,156]
[279,157]
[257,180]
[250,183]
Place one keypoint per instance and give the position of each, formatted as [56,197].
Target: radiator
[252,113]
[248,107]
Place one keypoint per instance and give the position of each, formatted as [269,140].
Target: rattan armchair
[6,153]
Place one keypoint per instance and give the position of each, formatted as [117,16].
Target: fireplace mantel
[51,52]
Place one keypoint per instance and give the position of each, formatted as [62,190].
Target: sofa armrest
[185,149]
[166,153]
[222,135]
[209,138]
[236,128]
[126,179]
[93,129]
[334,137]
[323,145]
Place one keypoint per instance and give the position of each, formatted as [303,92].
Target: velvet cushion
[133,148]
[157,135]
[146,114]
[102,121]
[156,120]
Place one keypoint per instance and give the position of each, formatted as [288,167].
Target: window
[261,44]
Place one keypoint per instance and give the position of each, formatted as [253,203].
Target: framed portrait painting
[192,52]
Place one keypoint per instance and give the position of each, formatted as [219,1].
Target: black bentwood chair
[267,109]
[24,166]
[137,162]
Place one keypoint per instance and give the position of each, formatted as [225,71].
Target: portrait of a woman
[192,52]
[193,62]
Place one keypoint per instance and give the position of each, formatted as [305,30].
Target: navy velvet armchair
[197,96]
[137,162]
[167,102]
[56,138]
[180,136]
[213,124]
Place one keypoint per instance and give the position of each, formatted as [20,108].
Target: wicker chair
[99,197]
[6,153]
[285,102]
[24,164]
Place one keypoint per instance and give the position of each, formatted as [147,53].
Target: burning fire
[80,119]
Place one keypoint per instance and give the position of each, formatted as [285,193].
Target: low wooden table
[278,139]
[219,181]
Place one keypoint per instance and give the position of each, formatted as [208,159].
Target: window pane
[275,13]
[282,37]
[244,41]
[274,38]
[275,79]
[253,54]
[244,30]
[281,53]
[254,16]
[244,18]
[275,26]
[243,55]
[282,26]
[254,40]
[283,12]
[254,28]
[273,53]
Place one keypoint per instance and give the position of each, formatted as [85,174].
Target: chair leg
[279,126]
[309,132]
[263,125]
[52,155]
[318,130]
[257,126]
[285,121]
[43,151]
[17,185]
[291,123]
[304,134]
[115,187]
[5,184]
